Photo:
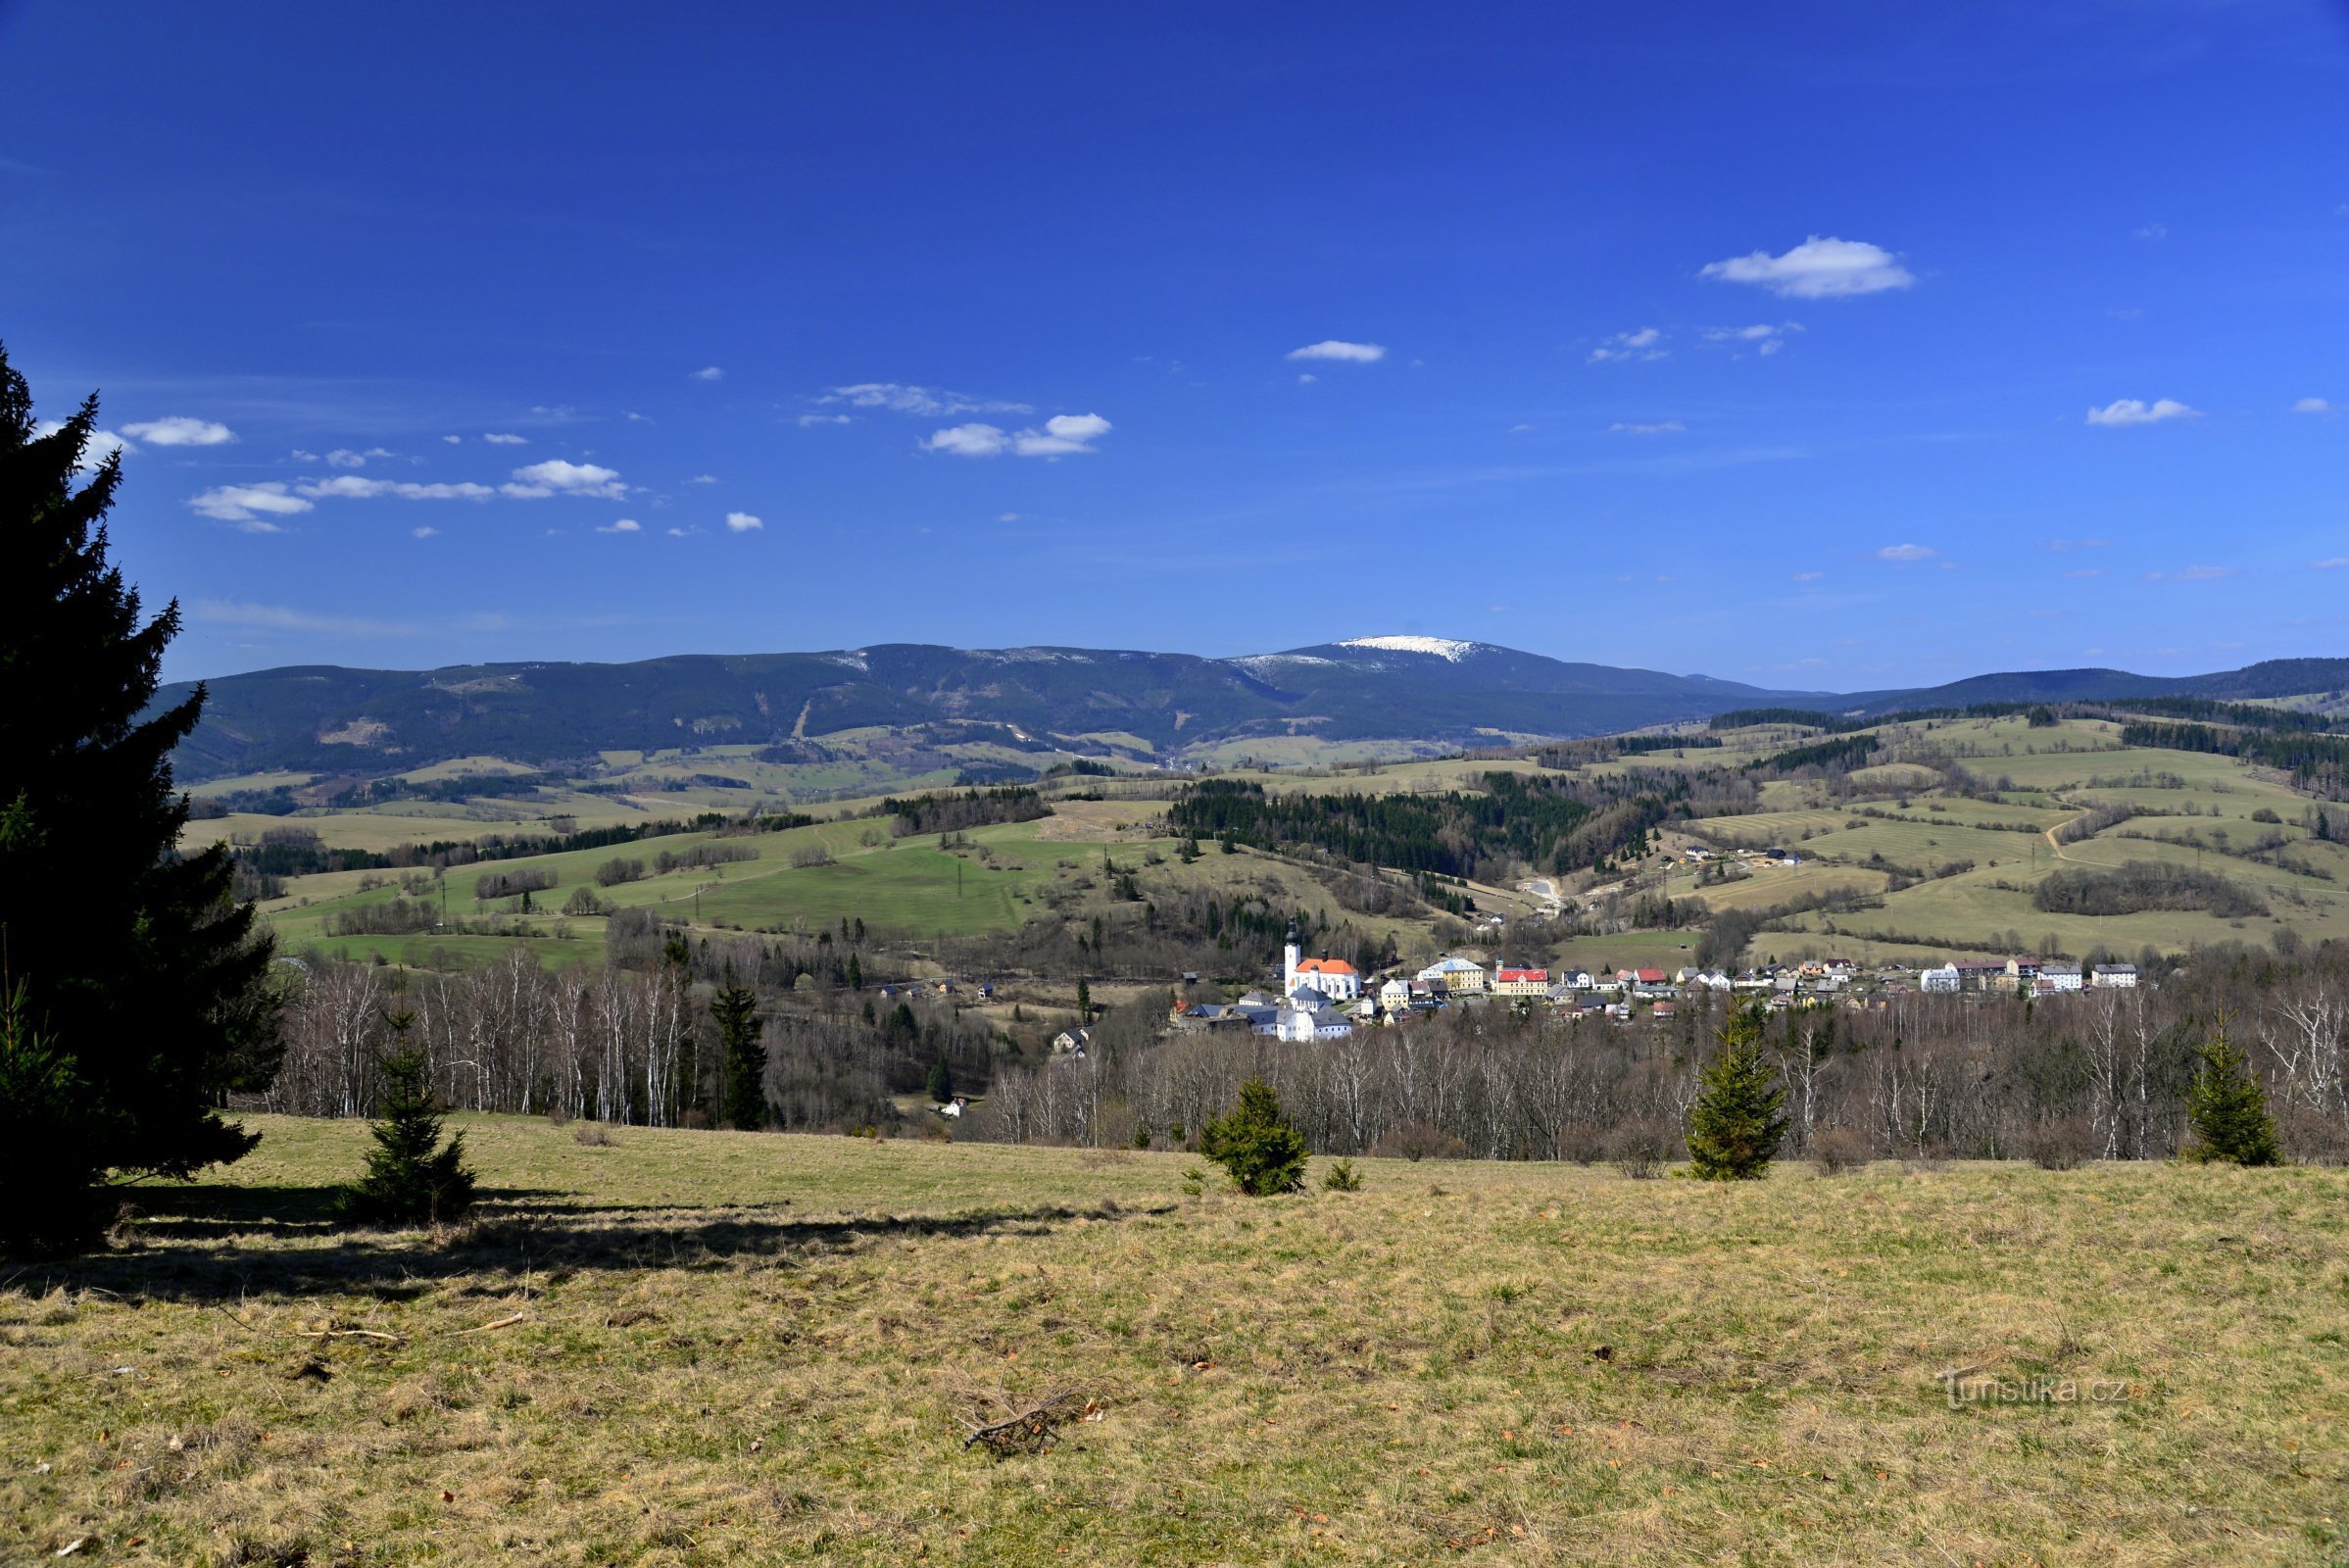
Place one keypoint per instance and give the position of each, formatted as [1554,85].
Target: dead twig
[1028,1431]
[506,1322]
[347,1334]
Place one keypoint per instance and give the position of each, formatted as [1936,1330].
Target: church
[1334,978]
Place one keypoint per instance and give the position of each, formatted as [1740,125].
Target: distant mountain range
[324,718]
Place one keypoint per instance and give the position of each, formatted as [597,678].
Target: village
[1328,999]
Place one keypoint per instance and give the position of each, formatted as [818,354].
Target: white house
[1334,978]
[2060,977]
[1300,1023]
[2113,977]
[1395,995]
[1944,979]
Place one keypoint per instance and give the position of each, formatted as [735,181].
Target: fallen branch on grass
[1028,1431]
[506,1322]
[347,1334]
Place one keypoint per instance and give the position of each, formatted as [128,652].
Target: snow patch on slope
[1437,647]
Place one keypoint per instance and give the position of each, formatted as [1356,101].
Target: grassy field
[695,1347]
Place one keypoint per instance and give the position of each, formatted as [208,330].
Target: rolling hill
[1423,690]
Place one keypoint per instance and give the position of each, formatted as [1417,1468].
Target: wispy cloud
[2151,232]
[2123,411]
[743,522]
[1661,428]
[623,525]
[1639,344]
[1763,338]
[2330,562]
[1816,270]
[2193,574]
[702,478]
[351,487]
[179,430]
[2312,406]
[278,617]
[811,421]
[1339,351]
[554,477]
[710,372]
[1809,577]
[927,401]
[250,504]
[501,438]
[1906,553]
[424,532]
[2062,546]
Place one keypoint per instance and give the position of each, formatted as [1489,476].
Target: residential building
[2060,977]
[1456,976]
[1508,982]
[2113,977]
[1942,981]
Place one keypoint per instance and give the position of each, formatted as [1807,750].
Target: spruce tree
[1256,1144]
[145,981]
[742,1060]
[1734,1126]
[411,1177]
[2227,1108]
[941,1084]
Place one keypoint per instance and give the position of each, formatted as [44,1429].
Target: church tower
[1289,957]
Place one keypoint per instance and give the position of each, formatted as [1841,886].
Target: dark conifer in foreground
[1256,1144]
[1734,1126]
[2227,1108]
[742,1060]
[143,979]
[413,1178]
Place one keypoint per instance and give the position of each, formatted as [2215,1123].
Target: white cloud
[345,457]
[702,478]
[1662,428]
[179,430]
[500,438]
[351,487]
[2312,406]
[1637,345]
[710,372]
[624,525]
[684,533]
[1306,378]
[1809,577]
[1062,433]
[1338,350]
[1763,337]
[1906,553]
[381,451]
[425,532]
[2152,232]
[811,421]
[742,522]
[554,477]
[2134,411]
[2201,573]
[1006,516]
[924,401]
[246,503]
[1817,269]
[2330,562]
[1517,429]
[454,440]
[101,445]
[968,441]
[1060,436]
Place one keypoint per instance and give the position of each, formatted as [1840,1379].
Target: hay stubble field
[714,1347]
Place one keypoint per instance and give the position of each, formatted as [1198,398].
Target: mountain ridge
[1399,688]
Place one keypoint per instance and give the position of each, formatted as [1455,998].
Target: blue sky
[1829,346]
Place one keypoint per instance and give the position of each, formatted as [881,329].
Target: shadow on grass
[226,1243]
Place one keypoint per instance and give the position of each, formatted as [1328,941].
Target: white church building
[1334,978]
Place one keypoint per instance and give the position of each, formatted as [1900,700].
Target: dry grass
[736,1347]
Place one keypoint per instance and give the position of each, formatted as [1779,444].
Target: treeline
[2099,1077]
[2141,885]
[955,813]
[1608,748]
[2209,710]
[1810,718]
[629,1041]
[299,852]
[1454,833]
[2318,764]
[1850,752]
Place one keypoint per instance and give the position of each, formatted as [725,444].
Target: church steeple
[1290,953]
